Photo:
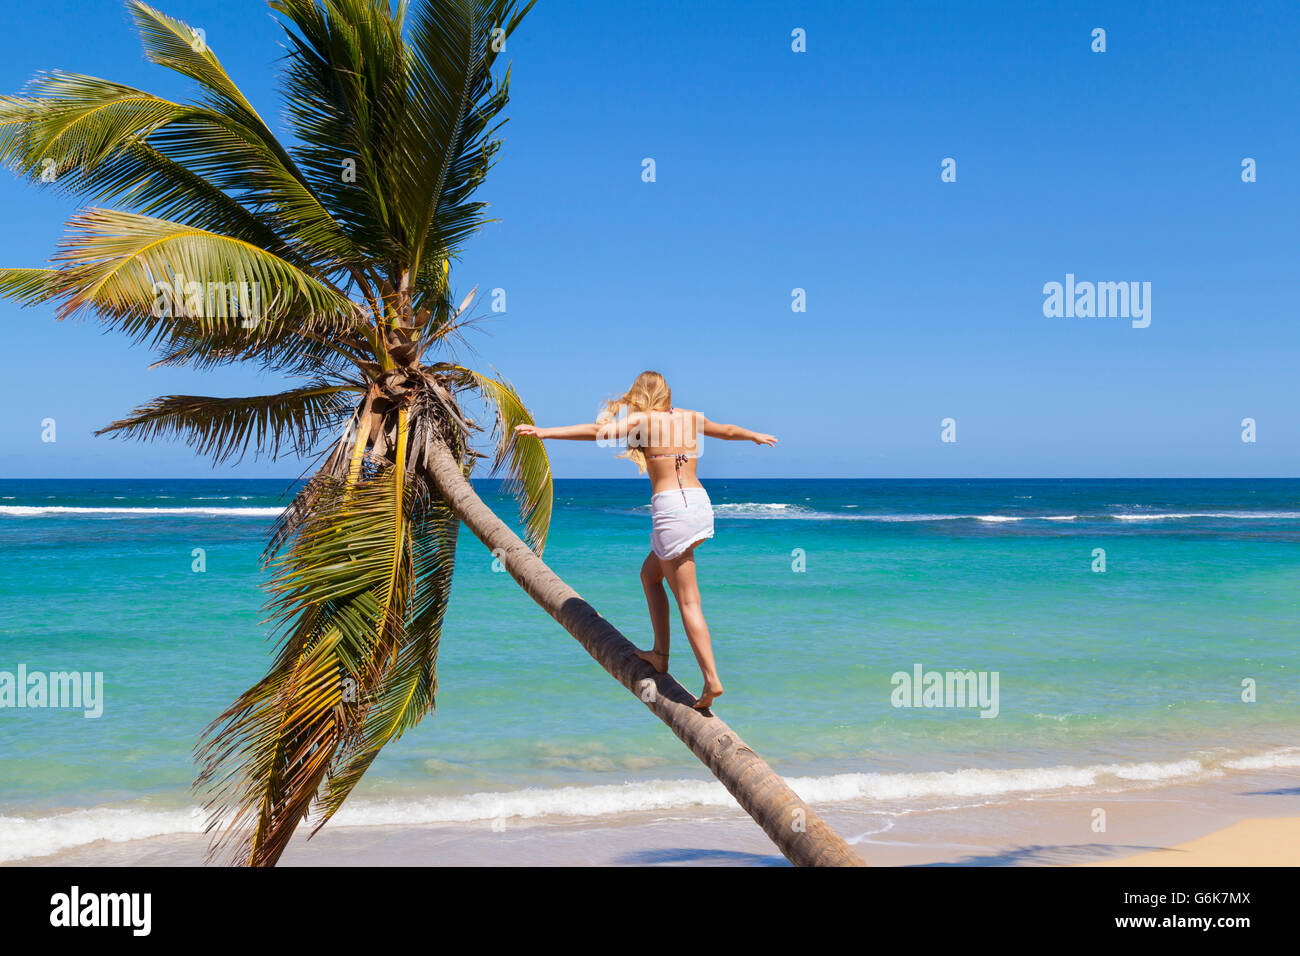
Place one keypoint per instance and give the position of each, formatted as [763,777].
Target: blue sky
[819,170]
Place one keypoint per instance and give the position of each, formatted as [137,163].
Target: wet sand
[1242,819]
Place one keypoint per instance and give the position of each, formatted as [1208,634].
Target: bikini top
[681,459]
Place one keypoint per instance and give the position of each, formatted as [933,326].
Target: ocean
[1138,634]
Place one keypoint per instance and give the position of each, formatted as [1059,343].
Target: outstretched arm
[614,430]
[734,432]
[585,432]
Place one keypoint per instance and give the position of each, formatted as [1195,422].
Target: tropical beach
[1117,691]
[424,409]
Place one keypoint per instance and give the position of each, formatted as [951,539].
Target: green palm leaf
[76,120]
[408,688]
[29,286]
[412,114]
[275,348]
[526,465]
[450,54]
[106,141]
[265,756]
[220,428]
[277,181]
[343,593]
[124,266]
[345,99]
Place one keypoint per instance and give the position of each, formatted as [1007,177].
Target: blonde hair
[649,393]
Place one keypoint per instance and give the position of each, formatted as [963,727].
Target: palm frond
[29,286]
[345,95]
[279,348]
[176,45]
[139,274]
[264,758]
[106,141]
[408,689]
[525,463]
[75,120]
[273,178]
[410,112]
[449,57]
[344,594]
[332,471]
[220,428]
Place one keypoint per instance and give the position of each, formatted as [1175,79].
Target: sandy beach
[1257,842]
[383,392]
[1245,819]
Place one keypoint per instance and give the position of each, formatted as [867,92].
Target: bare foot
[711,692]
[656,660]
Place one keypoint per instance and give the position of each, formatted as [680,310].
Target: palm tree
[328,262]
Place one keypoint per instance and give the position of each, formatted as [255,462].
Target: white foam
[787,512]
[36,511]
[757,509]
[1289,757]
[906,517]
[531,803]
[776,510]
[22,837]
[983,783]
[773,510]
[1240,515]
[1159,771]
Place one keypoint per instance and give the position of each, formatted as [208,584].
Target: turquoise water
[1139,668]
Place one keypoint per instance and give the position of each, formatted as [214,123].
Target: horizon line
[722,478]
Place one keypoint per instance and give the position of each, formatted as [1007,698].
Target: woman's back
[672,448]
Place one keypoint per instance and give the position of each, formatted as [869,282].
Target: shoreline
[1251,818]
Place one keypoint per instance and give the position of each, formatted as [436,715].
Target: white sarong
[681,517]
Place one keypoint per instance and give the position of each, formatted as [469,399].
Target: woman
[664,441]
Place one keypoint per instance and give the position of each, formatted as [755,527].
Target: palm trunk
[800,834]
